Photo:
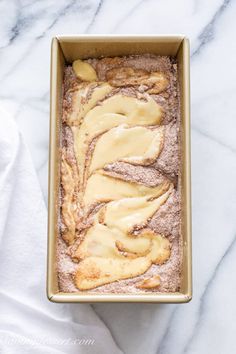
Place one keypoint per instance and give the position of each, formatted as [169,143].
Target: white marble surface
[206,325]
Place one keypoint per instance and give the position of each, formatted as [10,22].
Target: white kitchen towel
[29,323]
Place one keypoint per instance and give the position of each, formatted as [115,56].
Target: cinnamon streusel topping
[120,198]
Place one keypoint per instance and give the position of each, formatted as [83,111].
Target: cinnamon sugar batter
[166,220]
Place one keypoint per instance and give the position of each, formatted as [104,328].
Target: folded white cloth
[29,323]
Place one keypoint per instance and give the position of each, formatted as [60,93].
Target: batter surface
[119,198]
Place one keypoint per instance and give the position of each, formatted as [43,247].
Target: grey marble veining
[207,324]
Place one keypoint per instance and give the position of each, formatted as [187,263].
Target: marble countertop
[207,324]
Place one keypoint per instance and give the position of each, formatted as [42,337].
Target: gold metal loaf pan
[65,49]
